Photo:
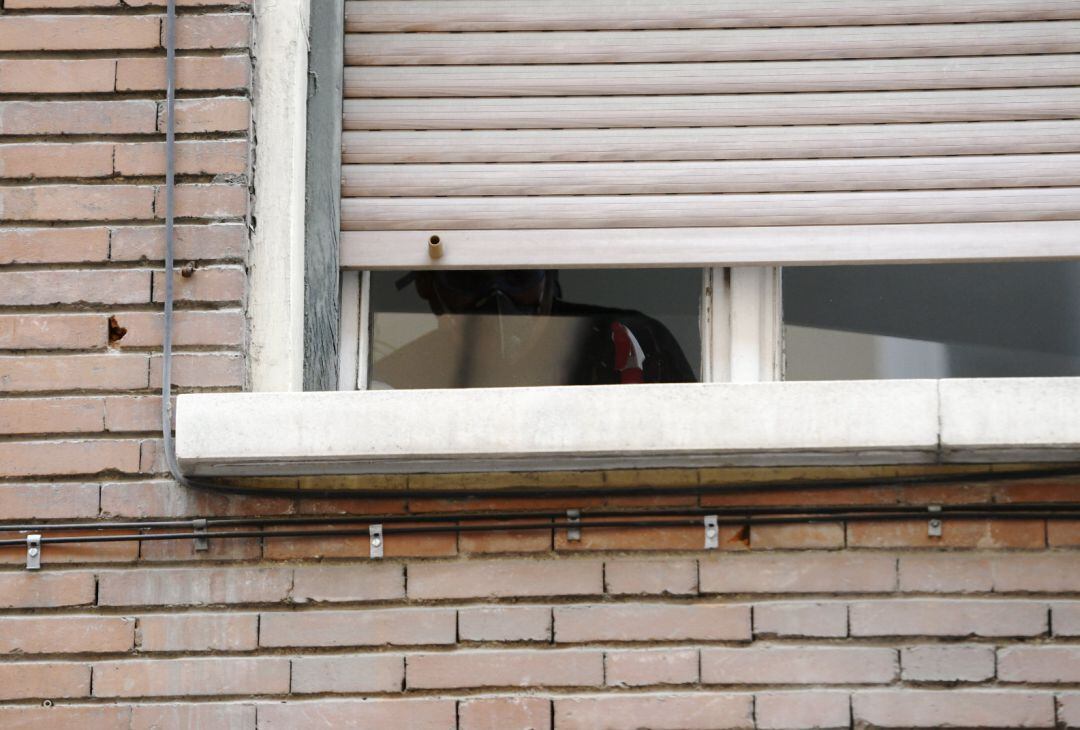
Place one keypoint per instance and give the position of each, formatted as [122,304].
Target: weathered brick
[652,622]
[822,535]
[415,714]
[184,550]
[698,711]
[505,623]
[359,546]
[49,500]
[181,677]
[214,241]
[41,76]
[199,370]
[90,159]
[54,246]
[78,117]
[650,667]
[221,114]
[43,680]
[983,534]
[210,200]
[947,573]
[209,284]
[935,617]
[1063,533]
[64,717]
[78,202]
[175,716]
[798,573]
[219,30]
[219,327]
[193,157]
[337,583]
[357,673]
[193,586]
[1069,710]
[198,632]
[36,288]
[196,73]
[53,332]
[504,541]
[799,665]
[78,32]
[51,415]
[66,634]
[1065,619]
[403,627]
[938,663]
[46,590]
[651,577]
[800,619]
[952,708]
[132,413]
[60,458]
[631,538]
[459,669]
[1039,664]
[119,551]
[505,578]
[165,498]
[1050,573]
[797,710]
[500,713]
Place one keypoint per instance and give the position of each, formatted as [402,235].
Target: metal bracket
[933,529]
[33,552]
[375,534]
[573,532]
[202,542]
[712,532]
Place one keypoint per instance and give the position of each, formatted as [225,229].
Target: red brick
[410,626]
[214,241]
[500,713]
[952,708]
[51,415]
[64,717]
[27,373]
[826,620]
[181,677]
[505,623]
[221,114]
[629,538]
[199,632]
[337,583]
[935,617]
[53,332]
[232,30]
[66,634]
[193,716]
[43,680]
[46,590]
[77,202]
[1063,533]
[51,4]
[414,714]
[38,76]
[650,667]
[198,73]
[359,546]
[59,458]
[984,534]
[504,541]
[209,284]
[815,495]
[651,577]
[198,370]
[36,288]
[184,550]
[168,499]
[210,200]
[357,673]
[53,245]
[652,622]
[1039,664]
[798,573]
[797,710]
[78,32]
[180,3]
[1065,618]
[797,537]
[193,586]
[48,501]
[799,665]
[698,711]
[459,669]
[128,413]
[120,551]
[505,579]
[219,327]
[193,157]
[947,573]
[78,117]
[938,663]
[1049,573]
[90,159]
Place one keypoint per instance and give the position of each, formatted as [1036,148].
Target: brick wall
[830,625]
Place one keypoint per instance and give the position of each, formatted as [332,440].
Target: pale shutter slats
[626,133]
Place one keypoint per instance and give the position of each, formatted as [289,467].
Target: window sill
[689,425]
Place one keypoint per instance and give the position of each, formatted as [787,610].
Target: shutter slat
[643,178]
[664,211]
[592,145]
[711,78]
[713,111]
[503,15]
[752,246]
[695,46]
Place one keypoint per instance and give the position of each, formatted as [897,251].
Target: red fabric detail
[629,372]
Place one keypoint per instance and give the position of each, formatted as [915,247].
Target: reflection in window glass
[932,321]
[463,329]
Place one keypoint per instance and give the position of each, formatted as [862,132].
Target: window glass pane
[932,321]
[460,329]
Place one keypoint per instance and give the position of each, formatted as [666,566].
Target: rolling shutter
[695,132]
